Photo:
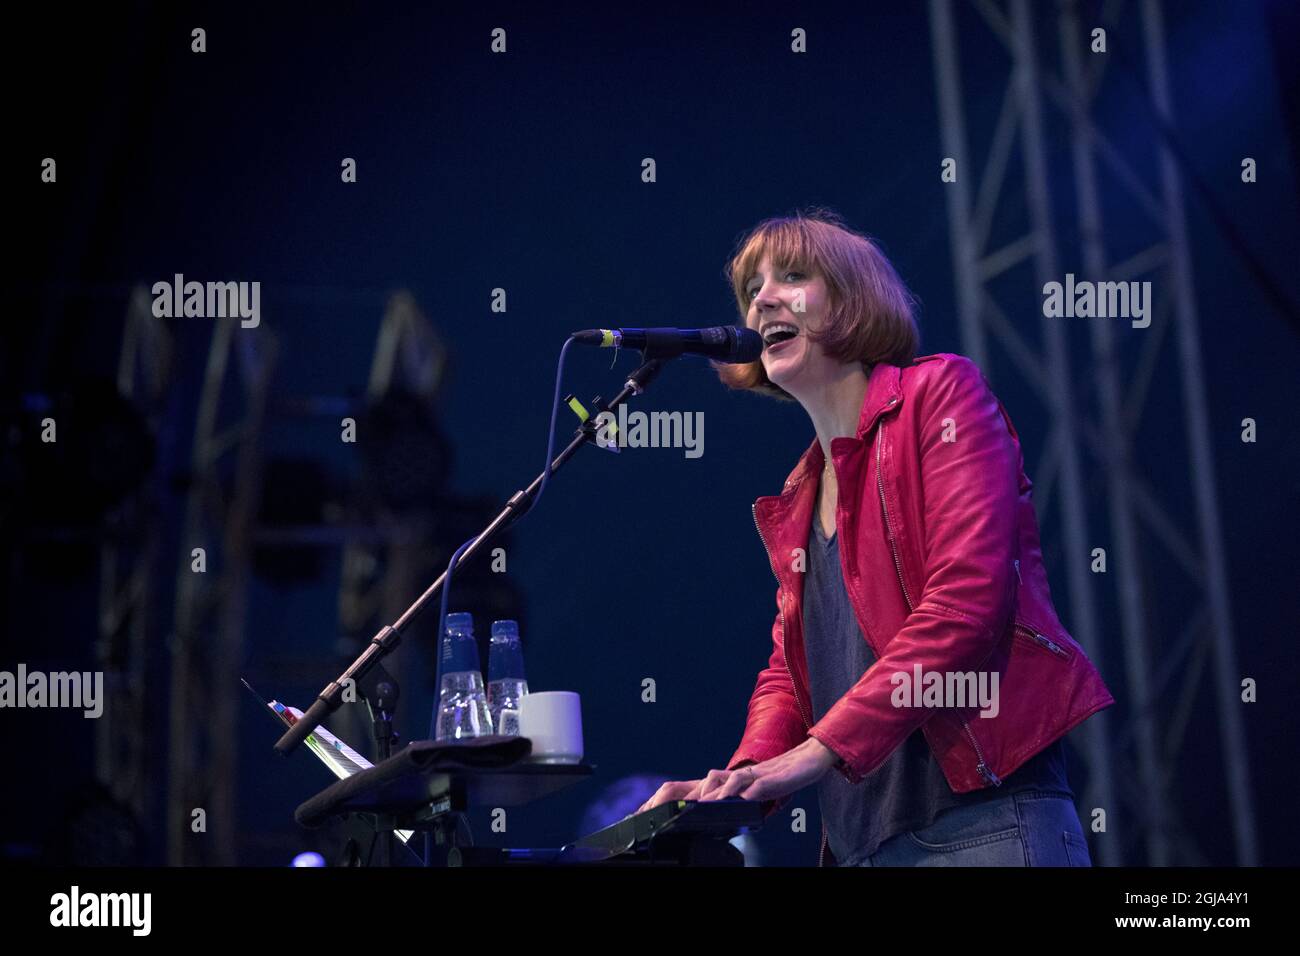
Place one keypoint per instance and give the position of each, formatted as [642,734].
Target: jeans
[1030,828]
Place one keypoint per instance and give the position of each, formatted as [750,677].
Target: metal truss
[381,572]
[211,606]
[129,553]
[1133,756]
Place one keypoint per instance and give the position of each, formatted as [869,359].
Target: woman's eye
[791,276]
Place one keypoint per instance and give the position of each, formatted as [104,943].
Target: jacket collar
[884,393]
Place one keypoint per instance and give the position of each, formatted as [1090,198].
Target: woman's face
[795,302]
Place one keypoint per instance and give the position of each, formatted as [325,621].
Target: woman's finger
[713,780]
[738,781]
[656,798]
[671,790]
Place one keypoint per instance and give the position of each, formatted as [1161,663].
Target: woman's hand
[769,780]
[674,790]
[775,778]
[687,789]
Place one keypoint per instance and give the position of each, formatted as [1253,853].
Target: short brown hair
[871,317]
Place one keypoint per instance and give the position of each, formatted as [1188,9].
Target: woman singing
[919,674]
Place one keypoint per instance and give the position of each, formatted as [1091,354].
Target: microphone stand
[390,636]
[380,691]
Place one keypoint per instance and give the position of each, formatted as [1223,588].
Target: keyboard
[674,828]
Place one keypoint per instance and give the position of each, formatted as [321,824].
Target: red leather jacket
[941,559]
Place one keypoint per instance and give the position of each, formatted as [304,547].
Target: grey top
[908,790]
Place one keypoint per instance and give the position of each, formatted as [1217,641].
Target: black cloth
[908,790]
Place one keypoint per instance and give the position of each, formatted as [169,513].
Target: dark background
[522,171]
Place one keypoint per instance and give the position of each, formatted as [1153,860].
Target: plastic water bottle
[506,682]
[462,704]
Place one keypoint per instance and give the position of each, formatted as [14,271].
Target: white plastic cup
[552,720]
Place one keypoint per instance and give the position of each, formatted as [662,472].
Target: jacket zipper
[889,532]
[821,851]
[982,766]
[781,608]
[1043,640]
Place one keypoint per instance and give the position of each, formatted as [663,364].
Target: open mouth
[777,333]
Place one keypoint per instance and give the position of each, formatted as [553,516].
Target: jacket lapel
[785,520]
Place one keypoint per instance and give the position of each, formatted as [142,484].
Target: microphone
[724,343]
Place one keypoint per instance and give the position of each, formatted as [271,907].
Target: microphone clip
[589,427]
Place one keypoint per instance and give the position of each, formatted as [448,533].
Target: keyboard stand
[427,787]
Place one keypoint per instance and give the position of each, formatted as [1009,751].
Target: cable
[455,558]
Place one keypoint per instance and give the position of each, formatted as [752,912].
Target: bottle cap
[505,628]
[460,621]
